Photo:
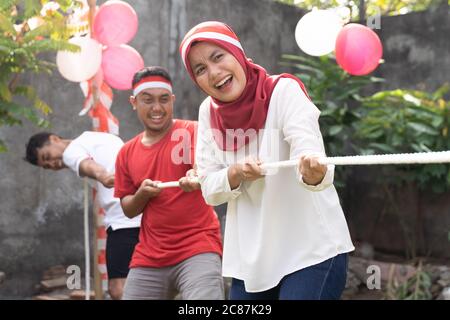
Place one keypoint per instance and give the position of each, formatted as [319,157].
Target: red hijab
[250,110]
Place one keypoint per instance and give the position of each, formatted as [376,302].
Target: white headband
[208,35]
[151,85]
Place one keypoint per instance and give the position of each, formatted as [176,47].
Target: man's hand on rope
[190,181]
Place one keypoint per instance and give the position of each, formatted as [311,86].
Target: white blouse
[275,225]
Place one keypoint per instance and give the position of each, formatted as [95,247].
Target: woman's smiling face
[216,71]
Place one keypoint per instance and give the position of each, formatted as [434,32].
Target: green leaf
[397,140]
[15,111]
[382,147]
[436,122]
[30,93]
[435,171]
[3,147]
[302,59]
[41,31]
[441,91]
[422,128]
[306,68]
[45,45]
[4,49]
[8,43]
[32,8]
[375,79]
[448,178]
[5,94]
[6,24]
[410,98]
[375,134]
[335,129]
[5,5]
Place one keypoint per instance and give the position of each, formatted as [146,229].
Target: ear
[54,138]
[132,101]
[173,98]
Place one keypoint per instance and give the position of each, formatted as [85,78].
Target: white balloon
[82,65]
[316,32]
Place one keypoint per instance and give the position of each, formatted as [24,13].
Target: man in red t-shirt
[180,248]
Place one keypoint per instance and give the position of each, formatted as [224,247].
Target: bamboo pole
[87,254]
[97,276]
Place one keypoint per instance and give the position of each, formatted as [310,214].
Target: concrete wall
[401,220]
[416,49]
[41,212]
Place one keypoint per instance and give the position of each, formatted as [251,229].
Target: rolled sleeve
[216,188]
[326,182]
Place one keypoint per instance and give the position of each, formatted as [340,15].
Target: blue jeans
[323,281]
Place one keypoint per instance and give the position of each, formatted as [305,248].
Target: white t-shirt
[275,225]
[103,149]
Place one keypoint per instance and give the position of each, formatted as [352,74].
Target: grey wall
[41,212]
[416,49]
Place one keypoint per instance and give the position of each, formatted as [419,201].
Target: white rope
[173,184]
[399,158]
[87,254]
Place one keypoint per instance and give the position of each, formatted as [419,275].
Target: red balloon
[358,49]
[119,65]
[115,23]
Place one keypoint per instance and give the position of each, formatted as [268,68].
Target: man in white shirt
[93,154]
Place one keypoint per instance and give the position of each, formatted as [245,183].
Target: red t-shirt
[175,224]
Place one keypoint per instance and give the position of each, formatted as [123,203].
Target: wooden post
[87,252]
[98,288]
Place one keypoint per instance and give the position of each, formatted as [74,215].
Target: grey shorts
[196,278]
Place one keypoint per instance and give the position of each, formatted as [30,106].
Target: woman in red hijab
[286,236]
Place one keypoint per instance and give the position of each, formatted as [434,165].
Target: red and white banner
[102,118]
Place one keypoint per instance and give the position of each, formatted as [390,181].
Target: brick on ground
[51,284]
[54,272]
[51,297]
[80,295]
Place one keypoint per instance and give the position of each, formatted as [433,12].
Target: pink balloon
[115,23]
[358,49]
[119,65]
